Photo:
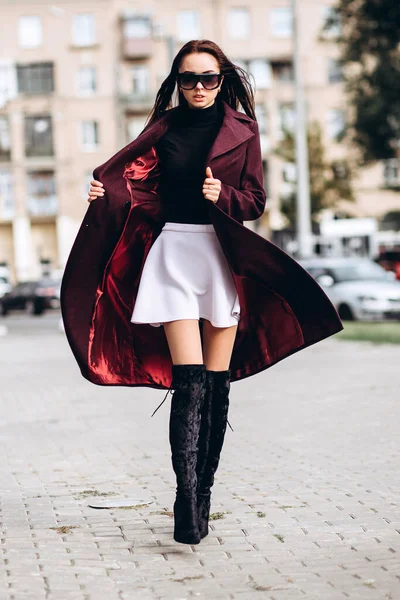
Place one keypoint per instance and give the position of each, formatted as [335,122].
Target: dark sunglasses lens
[210,81]
[187,81]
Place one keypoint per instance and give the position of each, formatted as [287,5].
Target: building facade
[78,80]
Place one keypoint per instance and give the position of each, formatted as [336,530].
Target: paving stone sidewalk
[306,503]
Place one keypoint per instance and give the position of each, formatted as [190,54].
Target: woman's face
[200,62]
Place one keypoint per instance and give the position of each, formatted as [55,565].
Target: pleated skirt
[186,276]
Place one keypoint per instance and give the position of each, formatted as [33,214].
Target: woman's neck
[200,116]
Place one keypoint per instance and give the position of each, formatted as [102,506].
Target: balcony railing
[42,207]
[137,100]
[6,212]
[5,155]
[137,47]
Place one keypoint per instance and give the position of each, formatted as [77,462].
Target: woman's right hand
[96,190]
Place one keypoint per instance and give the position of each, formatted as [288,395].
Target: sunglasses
[188,81]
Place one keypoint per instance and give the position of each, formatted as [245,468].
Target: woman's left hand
[211,187]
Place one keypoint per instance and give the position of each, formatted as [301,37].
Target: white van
[5,285]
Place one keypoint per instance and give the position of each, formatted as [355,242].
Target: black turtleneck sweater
[183,151]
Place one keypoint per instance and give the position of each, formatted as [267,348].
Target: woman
[164,244]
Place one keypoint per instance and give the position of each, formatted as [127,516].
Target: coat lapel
[232,133]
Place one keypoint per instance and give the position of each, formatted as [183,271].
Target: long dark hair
[236,87]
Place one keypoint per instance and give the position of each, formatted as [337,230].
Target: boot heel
[203,511]
[186,530]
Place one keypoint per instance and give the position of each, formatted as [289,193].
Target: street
[305,504]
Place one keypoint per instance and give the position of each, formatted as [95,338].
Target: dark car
[390,261]
[32,296]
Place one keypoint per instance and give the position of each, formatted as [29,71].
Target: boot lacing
[162,402]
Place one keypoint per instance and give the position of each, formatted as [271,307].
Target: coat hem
[256,370]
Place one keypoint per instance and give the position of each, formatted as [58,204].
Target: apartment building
[78,79]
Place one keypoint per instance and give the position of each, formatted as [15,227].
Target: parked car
[390,261]
[5,286]
[358,287]
[32,296]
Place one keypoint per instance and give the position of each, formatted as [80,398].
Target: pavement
[305,504]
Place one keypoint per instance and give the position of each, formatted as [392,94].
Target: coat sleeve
[248,202]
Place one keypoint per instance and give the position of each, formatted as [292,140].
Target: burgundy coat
[282,308]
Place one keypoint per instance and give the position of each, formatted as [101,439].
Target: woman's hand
[96,190]
[211,187]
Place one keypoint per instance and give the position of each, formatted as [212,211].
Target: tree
[369,37]
[329,181]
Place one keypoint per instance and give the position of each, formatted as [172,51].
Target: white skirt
[186,276]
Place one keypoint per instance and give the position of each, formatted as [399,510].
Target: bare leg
[218,345]
[184,342]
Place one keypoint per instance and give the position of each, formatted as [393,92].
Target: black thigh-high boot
[188,383]
[205,429]
[218,411]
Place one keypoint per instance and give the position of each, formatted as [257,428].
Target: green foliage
[369,41]
[329,181]
[378,333]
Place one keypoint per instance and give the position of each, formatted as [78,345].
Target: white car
[5,286]
[359,288]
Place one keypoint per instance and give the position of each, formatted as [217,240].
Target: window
[243,64]
[340,170]
[283,71]
[134,126]
[41,198]
[137,28]
[35,78]
[8,81]
[281,22]
[83,30]
[288,184]
[38,136]
[188,25]
[289,174]
[6,195]
[29,32]
[140,80]
[331,22]
[239,23]
[86,80]
[287,117]
[89,135]
[391,172]
[261,71]
[335,71]
[261,115]
[5,139]
[336,124]
[87,178]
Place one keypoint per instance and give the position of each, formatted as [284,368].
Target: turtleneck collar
[197,117]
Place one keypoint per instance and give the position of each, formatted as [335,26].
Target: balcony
[6,211]
[5,154]
[137,102]
[5,139]
[35,78]
[136,36]
[137,48]
[41,198]
[6,195]
[42,207]
[38,136]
